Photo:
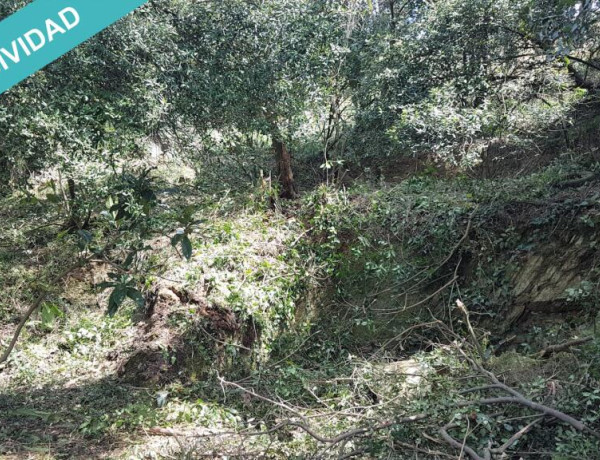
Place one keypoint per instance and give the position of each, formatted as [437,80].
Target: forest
[305,229]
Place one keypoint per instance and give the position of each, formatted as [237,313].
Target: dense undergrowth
[307,329]
[305,229]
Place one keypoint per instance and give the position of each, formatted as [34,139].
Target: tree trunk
[284,166]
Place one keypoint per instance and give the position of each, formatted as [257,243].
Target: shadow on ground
[84,422]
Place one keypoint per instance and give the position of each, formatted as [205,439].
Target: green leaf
[129,259]
[49,313]
[116,299]
[136,296]
[176,239]
[186,247]
[62,234]
[105,285]
[53,198]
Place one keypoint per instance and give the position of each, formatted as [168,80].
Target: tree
[97,101]
[449,75]
[253,67]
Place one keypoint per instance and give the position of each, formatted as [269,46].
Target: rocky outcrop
[540,284]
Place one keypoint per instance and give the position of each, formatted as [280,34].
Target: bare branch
[577,424]
[459,445]
[562,347]
[514,438]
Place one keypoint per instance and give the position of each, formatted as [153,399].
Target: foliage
[209,305]
[498,68]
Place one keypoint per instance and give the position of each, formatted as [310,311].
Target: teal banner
[44,30]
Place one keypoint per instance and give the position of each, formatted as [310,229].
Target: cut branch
[459,445]
[577,182]
[577,424]
[518,398]
[514,438]
[546,352]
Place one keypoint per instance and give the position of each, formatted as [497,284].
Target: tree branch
[562,347]
[459,445]
[583,61]
[577,424]
[514,438]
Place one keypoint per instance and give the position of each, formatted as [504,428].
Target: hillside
[301,229]
[324,323]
